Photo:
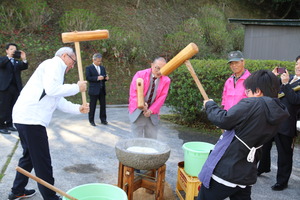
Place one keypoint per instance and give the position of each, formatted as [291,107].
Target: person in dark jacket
[96,76]
[230,169]
[287,131]
[11,66]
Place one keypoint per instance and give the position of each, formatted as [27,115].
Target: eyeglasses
[72,59]
[157,68]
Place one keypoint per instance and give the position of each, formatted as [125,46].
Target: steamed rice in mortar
[139,149]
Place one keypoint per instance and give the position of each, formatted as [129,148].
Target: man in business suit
[96,76]
[287,131]
[11,66]
[144,122]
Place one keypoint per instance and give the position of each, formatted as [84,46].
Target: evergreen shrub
[79,20]
[9,20]
[123,46]
[36,13]
[213,22]
[24,15]
[184,96]
[189,31]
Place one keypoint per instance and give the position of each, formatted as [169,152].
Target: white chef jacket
[49,76]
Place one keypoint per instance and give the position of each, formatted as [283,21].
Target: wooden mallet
[185,54]
[140,93]
[79,36]
[183,57]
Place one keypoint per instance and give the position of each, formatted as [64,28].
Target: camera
[17,54]
[280,70]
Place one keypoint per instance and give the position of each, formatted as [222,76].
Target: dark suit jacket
[292,101]
[7,71]
[95,86]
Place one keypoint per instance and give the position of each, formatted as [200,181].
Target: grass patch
[9,157]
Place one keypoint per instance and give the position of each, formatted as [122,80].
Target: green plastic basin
[97,191]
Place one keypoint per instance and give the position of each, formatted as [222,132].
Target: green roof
[267,22]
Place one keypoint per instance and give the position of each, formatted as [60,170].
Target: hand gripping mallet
[44,183]
[79,36]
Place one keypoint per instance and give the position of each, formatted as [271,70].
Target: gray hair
[159,59]
[97,55]
[63,50]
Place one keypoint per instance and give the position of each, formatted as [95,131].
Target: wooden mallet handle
[140,93]
[191,70]
[80,70]
[78,36]
[185,54]
[44,183]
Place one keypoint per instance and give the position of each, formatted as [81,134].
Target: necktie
[98,69]
[12,60]
[151,92]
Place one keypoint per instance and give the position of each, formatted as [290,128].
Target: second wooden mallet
[79,36]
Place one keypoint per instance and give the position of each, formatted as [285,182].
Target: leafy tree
[280,8]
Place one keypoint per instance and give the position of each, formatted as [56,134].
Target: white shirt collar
[298,77]
[61,61]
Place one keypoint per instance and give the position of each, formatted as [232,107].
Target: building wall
[272,42]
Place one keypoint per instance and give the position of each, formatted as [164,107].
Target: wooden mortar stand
[153,180]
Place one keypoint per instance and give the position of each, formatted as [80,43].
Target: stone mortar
[139,160]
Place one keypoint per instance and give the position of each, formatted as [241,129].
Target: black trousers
[285,149]
[265,161]
[8,99]
[219,191]
[36,154]
[93,104]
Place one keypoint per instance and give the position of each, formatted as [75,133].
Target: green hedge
[184,96]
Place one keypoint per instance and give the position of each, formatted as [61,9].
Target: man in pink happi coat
[234,89]
[144,122]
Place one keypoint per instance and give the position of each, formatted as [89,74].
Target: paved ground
[84,154]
